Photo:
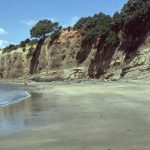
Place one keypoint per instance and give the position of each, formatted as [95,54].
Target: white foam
[11,97]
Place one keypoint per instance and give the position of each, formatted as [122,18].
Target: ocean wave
[11,97]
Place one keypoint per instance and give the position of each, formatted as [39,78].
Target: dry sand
[88,116]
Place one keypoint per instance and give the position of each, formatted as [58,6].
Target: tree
[95,25]
[99,24]
[117,17]
[23,43]
[132,11]
[82,23]
[44,27]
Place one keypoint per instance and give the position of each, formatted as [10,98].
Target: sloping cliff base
[71,57]
[76,116]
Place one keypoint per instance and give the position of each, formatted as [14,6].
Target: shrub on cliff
[33,41]
[23,43]
[132,11]
[44,27]
[82,23]
[10,48]
[111,38]
[97,25]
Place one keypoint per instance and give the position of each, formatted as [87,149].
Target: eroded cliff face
[15,64]
[61,56]
[131,59]
[72,56]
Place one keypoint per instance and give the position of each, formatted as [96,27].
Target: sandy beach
[81,116]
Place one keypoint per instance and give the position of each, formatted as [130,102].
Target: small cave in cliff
[34,60]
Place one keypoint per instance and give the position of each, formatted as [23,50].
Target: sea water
[13,108]
[19,113]
[10,95]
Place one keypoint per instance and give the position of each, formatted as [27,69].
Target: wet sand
[90,116]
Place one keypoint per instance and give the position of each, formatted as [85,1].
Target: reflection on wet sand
[12,109]
[24,114]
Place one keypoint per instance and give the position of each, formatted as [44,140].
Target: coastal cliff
[71,56]
[118,47]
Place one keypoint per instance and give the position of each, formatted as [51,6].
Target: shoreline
[75,115]
[4,104]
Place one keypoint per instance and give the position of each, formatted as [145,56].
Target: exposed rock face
[14,64]
[49,57]
[140,61]
[59,53]
[71,56]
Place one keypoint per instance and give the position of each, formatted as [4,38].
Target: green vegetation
[132,11]
[34,41]
[99,24]
[28,41]
[44,27]
[10,48]
[111,38]
[23,43]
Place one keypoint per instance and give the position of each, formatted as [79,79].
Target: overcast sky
[18,16]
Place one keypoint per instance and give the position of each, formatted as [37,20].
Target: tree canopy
[23,43]
[44,27]
[97,25]
[132,11]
